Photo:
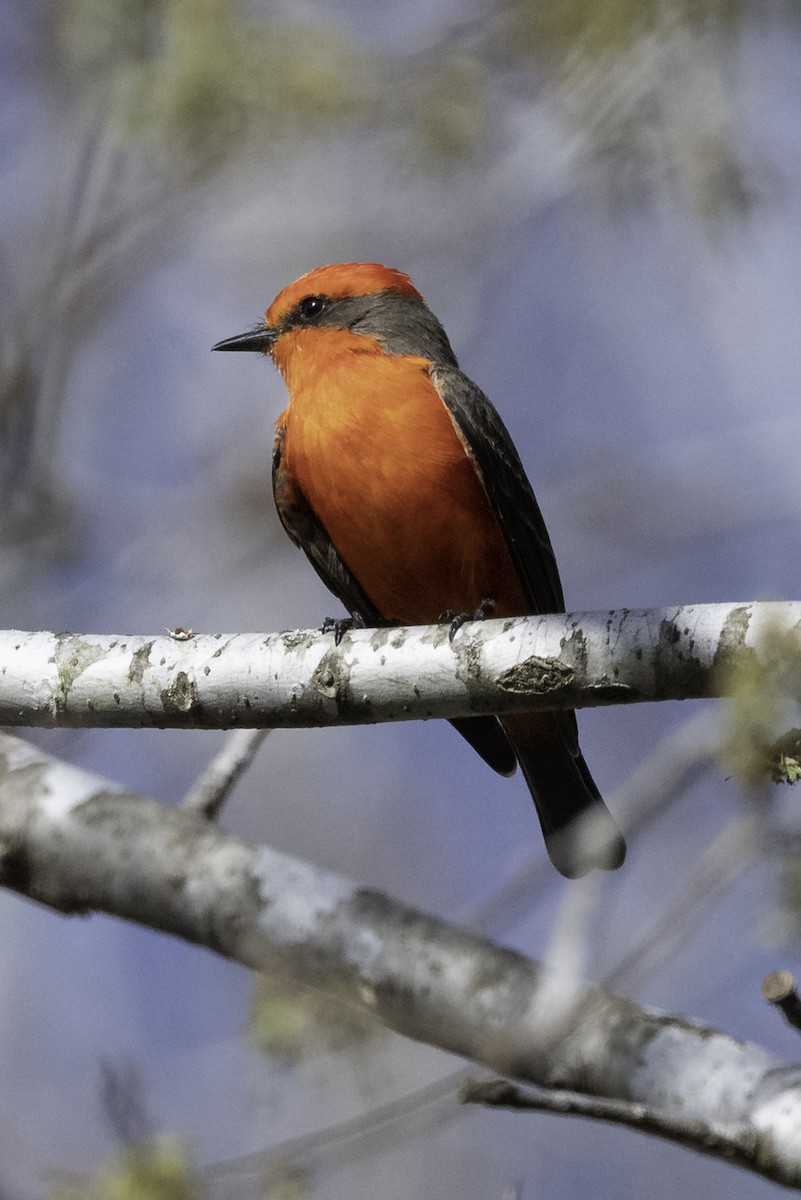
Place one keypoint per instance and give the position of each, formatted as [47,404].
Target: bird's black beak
[261,339]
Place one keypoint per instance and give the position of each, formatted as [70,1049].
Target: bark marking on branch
[302,679]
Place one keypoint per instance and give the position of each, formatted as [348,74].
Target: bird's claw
[339,626]
[457,620]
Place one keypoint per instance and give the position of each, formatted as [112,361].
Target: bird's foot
[457,620]
[339,626]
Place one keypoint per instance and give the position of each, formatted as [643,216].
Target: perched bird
[397,477]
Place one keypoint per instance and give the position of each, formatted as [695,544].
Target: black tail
[577,826]
[488,738]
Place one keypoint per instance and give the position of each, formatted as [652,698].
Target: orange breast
[373,449]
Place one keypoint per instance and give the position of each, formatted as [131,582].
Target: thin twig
[713,873]
[732,1143]
[403,1118]
[214,785]
[778,989]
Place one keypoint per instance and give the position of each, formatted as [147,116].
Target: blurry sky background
[600,200]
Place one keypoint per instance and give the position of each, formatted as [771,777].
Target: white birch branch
[78,843]
[302,679]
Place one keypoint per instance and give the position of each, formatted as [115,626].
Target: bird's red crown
[337,281]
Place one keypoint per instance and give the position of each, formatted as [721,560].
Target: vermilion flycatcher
[397,477]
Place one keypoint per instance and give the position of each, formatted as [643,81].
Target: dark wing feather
[484,734]
[487,442]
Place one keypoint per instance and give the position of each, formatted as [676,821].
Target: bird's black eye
[311,307]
